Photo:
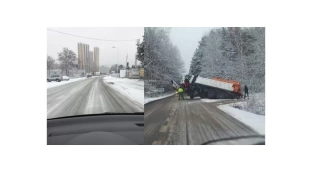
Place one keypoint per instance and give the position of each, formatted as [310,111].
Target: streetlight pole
[117,56]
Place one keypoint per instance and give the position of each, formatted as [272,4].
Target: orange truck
[215,88]
[235,84]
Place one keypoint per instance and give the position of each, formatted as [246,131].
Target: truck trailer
[216,88]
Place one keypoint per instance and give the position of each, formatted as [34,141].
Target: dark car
[89,76]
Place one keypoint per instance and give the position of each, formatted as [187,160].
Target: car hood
[239,140]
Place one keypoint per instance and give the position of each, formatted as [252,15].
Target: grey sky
[108,55]
[187,38]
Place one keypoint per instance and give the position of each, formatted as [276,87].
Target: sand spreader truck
[215,88]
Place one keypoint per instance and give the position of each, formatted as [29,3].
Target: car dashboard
[105,129]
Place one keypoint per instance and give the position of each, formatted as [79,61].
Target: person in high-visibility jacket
[180,91]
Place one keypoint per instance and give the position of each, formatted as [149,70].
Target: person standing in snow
[246,92]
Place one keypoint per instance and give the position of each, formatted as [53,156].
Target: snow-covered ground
[210,100]
[162,96]
[256,122]
[150,99]
[55,84]
[251,111]
[132,88]
[255,104]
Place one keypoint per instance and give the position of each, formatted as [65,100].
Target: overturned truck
[216,88]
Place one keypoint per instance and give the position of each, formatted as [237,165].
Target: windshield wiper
[98,114]
[234,138]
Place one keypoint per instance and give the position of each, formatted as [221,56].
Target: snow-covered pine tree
[162,59]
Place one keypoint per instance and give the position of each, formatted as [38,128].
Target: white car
[64,77]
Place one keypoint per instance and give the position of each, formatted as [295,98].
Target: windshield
[222,91]
[194,85]
[94,71]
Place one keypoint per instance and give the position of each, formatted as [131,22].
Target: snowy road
[173,121]
[88,96]
[131,88]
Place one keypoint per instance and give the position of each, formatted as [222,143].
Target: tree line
[161,59]
[232,53]
[67,60]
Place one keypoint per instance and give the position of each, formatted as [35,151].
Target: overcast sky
[187,38]
[108,55]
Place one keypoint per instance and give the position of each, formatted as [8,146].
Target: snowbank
[150,99]
[132,88]
[210,100]
[55,84]
[255,104]
[256,122]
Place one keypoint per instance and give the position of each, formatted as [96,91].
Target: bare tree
[113,68]
[140,51]
[120,67]
[67,59]
[50,63]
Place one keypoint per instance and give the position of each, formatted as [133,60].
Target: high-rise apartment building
[83,56]
[88,60]
[96,59]
[91,62]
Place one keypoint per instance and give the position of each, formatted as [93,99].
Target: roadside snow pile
[256,122]
[132,88]
[55,84]
[210,100]
[161,96]
[107,78]
[255,104]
